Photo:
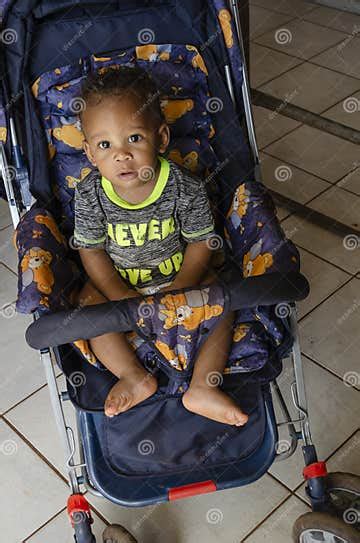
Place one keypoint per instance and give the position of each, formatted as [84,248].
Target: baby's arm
[195,266]
[99,267]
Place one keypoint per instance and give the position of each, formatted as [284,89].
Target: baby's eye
[134,138]
[104,144]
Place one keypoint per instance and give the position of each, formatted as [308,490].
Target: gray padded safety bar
[95,320]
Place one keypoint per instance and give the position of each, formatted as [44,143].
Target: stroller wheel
[117,534]
[344,491]
[316,527]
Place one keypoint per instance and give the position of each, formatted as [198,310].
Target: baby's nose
[122,154]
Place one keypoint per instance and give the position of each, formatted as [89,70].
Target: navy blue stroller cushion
[161,436]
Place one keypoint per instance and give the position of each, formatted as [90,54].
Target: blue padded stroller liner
[161,436]
[137,491]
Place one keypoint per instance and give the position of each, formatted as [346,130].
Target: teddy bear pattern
[184,105]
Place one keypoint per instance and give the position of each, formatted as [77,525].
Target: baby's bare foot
[130,390]
[214,404]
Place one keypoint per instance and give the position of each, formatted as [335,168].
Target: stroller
[156,451]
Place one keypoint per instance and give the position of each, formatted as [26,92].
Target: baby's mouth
[127,176]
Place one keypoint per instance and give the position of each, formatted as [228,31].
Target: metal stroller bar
[229,82]
[246,90]
[6,175]
[300,400]
[55,399]
[282,455]
[84,478]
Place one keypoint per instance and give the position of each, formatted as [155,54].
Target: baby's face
[122,142]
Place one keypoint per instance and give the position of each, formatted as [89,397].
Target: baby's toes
[236,417]
[240,418]
[114,405]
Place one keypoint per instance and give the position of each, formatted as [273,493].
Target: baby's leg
[135,383]
[203,395]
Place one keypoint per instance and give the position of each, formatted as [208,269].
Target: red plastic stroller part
[193,489]
[317,469]
[77,503]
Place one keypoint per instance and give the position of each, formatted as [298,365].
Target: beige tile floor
[320,59]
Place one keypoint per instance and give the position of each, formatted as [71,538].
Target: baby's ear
[86,148]
[164,134]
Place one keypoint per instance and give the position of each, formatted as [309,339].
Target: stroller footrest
[192,489]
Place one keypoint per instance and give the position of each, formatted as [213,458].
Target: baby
[142,225]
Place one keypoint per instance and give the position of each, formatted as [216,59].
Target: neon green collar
[156,193]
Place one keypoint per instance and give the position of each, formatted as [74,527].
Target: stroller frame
[77,472]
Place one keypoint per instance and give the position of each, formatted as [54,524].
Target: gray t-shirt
[145,241]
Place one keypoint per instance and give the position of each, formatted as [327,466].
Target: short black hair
[125,80]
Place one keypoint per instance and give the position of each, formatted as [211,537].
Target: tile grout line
[349,279]
[350,34]
[292,492]
[336,87]
[301,63]
[303,18]
[329,370]
[291,19]
[321,194]
[46,460]
[344,188]
[7,226]
[337,449]
[296,488]
[253,3]
[263,150]
[352,274]
[306,117]
[284,218]
[35,450]
[311,59]
[266,516]
[43,525]
[309,201]
[258,87]
[313,197]
[314,210]
[8,269]
[23,400]
[279,480]
[100,515]
[337,103]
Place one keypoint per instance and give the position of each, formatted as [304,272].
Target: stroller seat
[158,439]
[246,217]
[241,457]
